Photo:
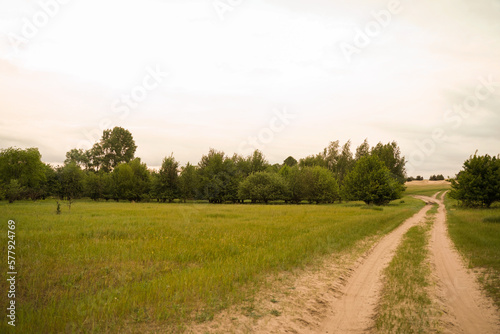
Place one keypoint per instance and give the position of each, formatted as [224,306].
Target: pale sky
[184,76]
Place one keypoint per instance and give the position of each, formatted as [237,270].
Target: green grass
[110,267]
[429,189]
[405,306]
[476,234]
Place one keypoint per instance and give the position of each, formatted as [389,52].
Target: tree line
[110,171]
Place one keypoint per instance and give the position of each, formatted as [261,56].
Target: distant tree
[14,191]
[24,166]
[478,183]
[123,182]
[318,185]
[362,150]
[419,178]
[141,180]
[258,162]
[219,178]
[290,161]
[188,182]
[93,185]
[80,157]
[262,187]
[116,146]
[390,155]
[166,181]
[313,160]
[371,182]
[345,162]
[71,182]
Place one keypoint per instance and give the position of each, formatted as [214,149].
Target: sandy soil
[355,310]
[342,295]
[465,308]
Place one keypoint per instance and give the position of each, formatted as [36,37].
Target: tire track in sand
[354,311]
[466,309]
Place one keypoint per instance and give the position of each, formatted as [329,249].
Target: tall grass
[476,234]
[109,267]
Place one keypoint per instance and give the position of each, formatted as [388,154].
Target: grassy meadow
[476,234]
[426,188]
[137,267]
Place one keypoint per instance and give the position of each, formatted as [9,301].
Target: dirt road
[340,299]
[466,309]
[354,311]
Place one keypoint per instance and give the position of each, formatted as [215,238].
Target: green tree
[166,181]
[320,185]
[71,182]
[80,157]
[14,191]
[24,166]
[188,182]
[94,185]
[345,162]
[116,146]
[362,150]
[123,182]
[478,183]
[263,187]
[290,161]
[390,155]
[370,181]
[219,177]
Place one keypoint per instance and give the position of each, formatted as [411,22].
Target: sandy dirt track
[354,311]
[466,309]
[344,298]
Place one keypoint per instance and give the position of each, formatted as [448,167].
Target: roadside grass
[405,306]
[426,188]
[125,267]
[476,235]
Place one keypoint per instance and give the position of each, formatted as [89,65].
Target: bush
[263,187]
[478,184]
[371,182]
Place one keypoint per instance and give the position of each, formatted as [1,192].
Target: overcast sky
[285,77]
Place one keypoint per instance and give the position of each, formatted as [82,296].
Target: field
[108,267]
[427,188]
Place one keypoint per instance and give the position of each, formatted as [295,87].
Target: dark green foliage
[28,171]
[371,182]
[188,182]
[166,181]
[478,183]
[109,171]
[436,177]
[131,181]
[219,177]
[71,182]
[290,161]
[390,155]
[262,187]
